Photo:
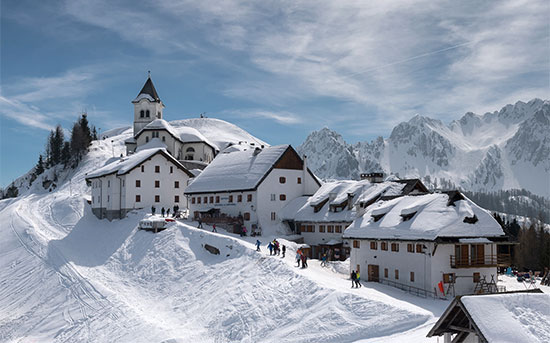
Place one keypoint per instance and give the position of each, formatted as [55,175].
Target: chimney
[350,200]
[332,196]
[373,177]
[256,151]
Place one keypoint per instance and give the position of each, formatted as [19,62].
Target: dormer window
[141,113]
[407,216]
[377,217]
[471,220]
[147,113]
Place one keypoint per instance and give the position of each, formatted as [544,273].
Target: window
[273,216]
[338,228]
[146,139]
[230,198]
[142,169]
[138,183]
[303,228]
[198,200]
[212,199]
[373,245]
[397,274]
[190,149]
[147,114]
[158,114]
[477,277]
[412,276]
[310,228]
[157,198]
[171,167]
[282,179]
[299,181]
[176,184]
[107,198]
[282,197]
[239,198]
[410,247]
[108,183]
[419,248]
[155,134]
[157,169]
[273,197]
[330,228]
[448,278]
[321,228]
[193,200]
[163,139]
[123,183]
[157,183]
[386,273]
[356,244]
[384,246]
[205,200]
[246,216]
[395,247]
[176,198]
[141,113]
[249,197]
[217,199]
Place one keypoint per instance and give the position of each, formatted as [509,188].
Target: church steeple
[147,106]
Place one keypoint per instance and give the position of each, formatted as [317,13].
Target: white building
[255,184]
[420,241]
[149,177]
[186,144]
[322,218]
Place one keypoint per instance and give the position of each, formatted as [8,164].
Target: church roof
[148,91]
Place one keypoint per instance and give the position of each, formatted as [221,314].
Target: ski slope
[67,276]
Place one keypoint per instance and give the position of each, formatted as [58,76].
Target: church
[156,168]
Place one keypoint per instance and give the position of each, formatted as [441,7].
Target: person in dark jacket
[284,250]
[153,210]
[258,245]
[163,211]
[270,247]
[353,278]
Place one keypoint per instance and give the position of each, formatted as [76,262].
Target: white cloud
[281,117]
[24,114]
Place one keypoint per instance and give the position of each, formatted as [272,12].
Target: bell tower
[147,106]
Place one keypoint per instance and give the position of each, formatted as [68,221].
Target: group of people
[275,248]
[301,257]
[166,212]
[355,279]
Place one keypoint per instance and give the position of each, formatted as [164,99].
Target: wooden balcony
[472,262]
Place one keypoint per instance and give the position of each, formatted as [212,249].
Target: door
[461,252]
[478,254]
[373,272]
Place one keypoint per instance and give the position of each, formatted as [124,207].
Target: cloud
[281,117]
[24,114]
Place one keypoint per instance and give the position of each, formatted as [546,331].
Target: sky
[278,69]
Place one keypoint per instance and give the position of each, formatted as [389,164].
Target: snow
[123,165]
[515,317]
[143,96]
[184,133]
[240,170]
[433,219]
[474,240]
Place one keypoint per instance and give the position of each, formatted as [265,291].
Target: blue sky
[279,69]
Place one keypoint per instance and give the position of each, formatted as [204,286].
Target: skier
[214,228]
[163,211]
[153,210]
[353,278]
[270,247]
[258,245]
[357,279]
[284,250]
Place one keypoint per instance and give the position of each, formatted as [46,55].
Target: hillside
[501,150]
[70,277]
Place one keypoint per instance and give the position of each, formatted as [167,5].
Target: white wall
[317,237]
[144,104]
[232,209]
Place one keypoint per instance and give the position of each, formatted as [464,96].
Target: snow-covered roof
[240,170]
[431,218]
[183,133]
[302,208]
[124,165]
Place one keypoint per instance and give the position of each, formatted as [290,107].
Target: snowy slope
[68,277]
[500,150]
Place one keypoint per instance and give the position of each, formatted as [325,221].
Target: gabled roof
[184,134]
[431,218]
[239,170]
[148,92]
[521,316]
[127,164]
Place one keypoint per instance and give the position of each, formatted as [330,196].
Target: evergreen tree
[12,191]
[56,143]
[78,141]
[94,133]
[66,153]
[39,165]
[86,132]
[48,152]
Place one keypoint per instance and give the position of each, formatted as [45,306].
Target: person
[357,279]
[277,248]
[168,212]
[163,211]
[200,224]
[258,245]
[270,247]
[353,278]
[298,256]
[284,250]
[305,261]
[324,260]
[153,210]
[214,228]
[176,209]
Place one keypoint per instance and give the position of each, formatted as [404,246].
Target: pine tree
[78,142]
[48,152]
[39,165]
[66,153]
[94,133]
[57,144]
[87,134]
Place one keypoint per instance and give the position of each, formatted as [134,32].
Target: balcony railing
[470,262]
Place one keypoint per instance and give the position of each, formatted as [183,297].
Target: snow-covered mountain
[506,149]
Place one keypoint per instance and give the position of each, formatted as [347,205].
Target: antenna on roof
[148,73]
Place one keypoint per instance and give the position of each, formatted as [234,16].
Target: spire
[149,89]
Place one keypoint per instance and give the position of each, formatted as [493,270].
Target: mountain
[501,150]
